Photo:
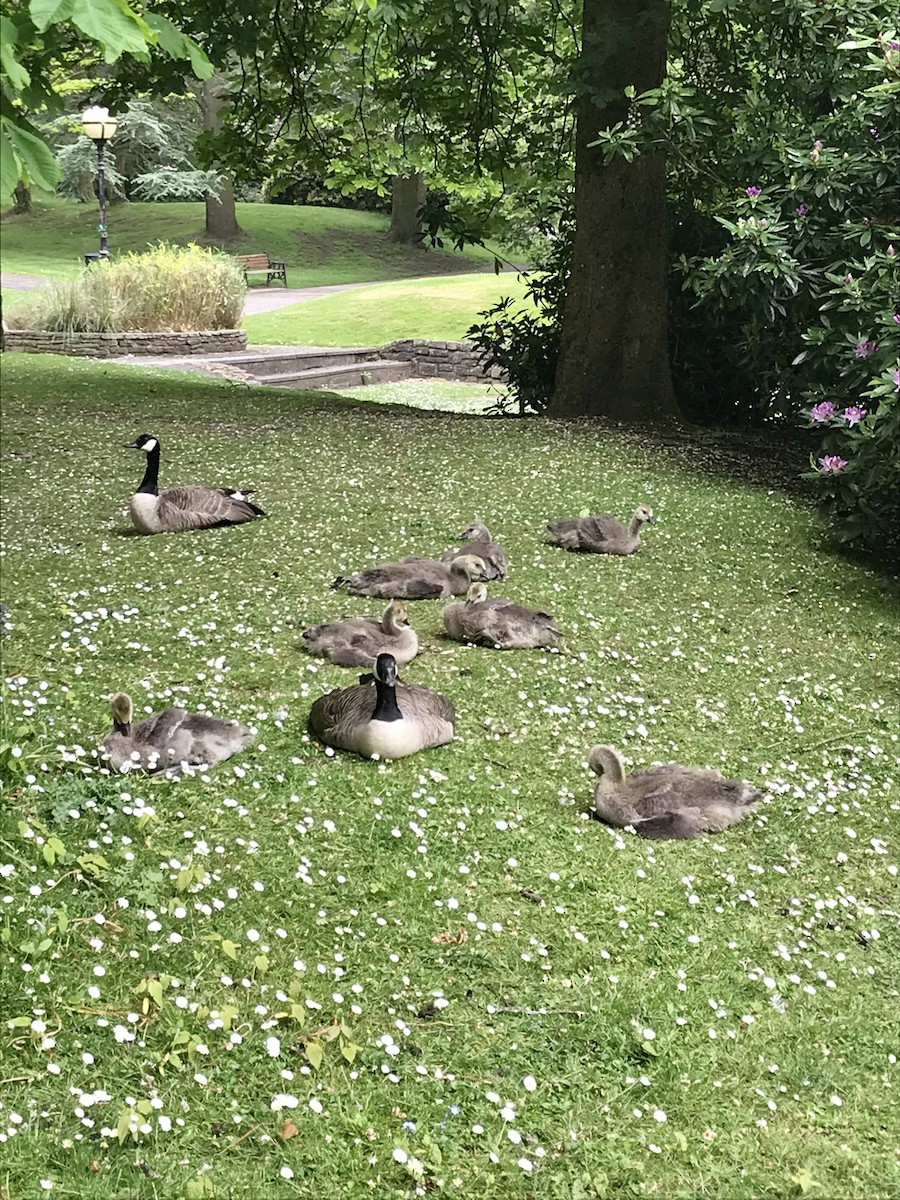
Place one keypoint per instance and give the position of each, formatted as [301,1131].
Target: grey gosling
[415,579]
[357,641]
[670,801]
[601,533]
[166,742]
[481,545]
[177,509]
[382,717]
[499,623]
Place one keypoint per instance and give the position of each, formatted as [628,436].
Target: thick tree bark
[407,197]
[221,214]
[22,195]
[613,358]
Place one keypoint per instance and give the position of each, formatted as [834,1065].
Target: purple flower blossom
[896,379]
[893,45]
[409,1125]
[832,464]
[818,145]
[854,414]
[801,210]
[822,412]
[752,192]
[864,349]
[897,318]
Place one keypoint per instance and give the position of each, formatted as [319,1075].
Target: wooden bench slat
[259,264]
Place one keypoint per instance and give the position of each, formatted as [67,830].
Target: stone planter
[445,360]
[112,345]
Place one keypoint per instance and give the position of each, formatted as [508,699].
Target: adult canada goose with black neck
[177,509]
[380,717]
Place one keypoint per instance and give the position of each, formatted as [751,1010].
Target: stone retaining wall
[112,345]
[446,360]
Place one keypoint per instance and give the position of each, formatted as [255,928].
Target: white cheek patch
[148,446]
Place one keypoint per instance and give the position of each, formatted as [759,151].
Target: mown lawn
[442,309]
[521,1004]
[320,245]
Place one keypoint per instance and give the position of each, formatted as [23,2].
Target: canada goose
[601,533]
[166,741]
[382,716]
[415,578]
[670,801]
[481,545]
[357,641]
[499,623]
[180,508]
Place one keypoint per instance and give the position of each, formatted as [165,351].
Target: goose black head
[145,442]
[386,670]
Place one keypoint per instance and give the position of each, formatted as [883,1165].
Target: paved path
[21,283]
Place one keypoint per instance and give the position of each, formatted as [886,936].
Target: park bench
[261,264]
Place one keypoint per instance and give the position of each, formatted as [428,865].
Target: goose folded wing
[203,507]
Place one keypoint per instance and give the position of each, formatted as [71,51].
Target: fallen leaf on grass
[449,938]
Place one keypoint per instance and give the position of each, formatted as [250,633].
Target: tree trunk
[23,203]
[221,214]
[613,358]
[407,198]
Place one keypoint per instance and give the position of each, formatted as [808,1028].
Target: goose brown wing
[412,697]
[204,507]
[330,711]
[606,526]
[160,728]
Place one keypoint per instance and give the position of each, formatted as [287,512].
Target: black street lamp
[99,126]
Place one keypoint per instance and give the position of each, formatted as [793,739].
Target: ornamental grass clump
[165,290]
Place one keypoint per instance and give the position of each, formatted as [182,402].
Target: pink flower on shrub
[753,192]
[864,349]
[854,414]
[822,412]
[896,378]
[832,464]
[801,210]
[897,318]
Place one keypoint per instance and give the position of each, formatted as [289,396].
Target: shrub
[853,356]
[167,289]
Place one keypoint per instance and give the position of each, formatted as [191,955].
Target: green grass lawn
[314,976]
[320,245]
[427,308]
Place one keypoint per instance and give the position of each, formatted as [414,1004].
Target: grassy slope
[320,245]
[434,308]
[763,961]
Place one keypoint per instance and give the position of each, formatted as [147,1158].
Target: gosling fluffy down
[415,579]
[168,742]
[669,801]
[499,623]
[380,717]
[357,641]
[601,533]
[481,545]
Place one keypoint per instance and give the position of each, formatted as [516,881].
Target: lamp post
[99,126]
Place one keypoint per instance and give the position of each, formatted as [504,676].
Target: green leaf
[230,949]
[314,1053]
[261,962]
[16,74]
[350,1051]
[804,1181]
[198,1188]
[178,45]
[155,990]
[49,12]
[33,159]
[115,27]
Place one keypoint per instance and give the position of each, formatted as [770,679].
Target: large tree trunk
[407,198]
[613,358]
[221,214]
[22,195]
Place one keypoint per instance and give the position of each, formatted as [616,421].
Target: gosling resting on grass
[177,509]
[481,545]
[415,579]
[499,623]
[357,641]
[380,717]
[166,742]
[601,533]
[669,801]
